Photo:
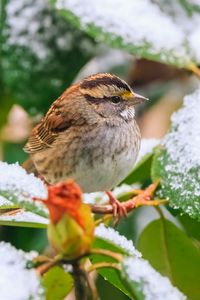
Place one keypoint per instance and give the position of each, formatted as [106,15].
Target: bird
[89,134]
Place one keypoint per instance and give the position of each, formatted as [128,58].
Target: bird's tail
[28,165]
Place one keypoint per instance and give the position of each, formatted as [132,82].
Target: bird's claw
[119,211]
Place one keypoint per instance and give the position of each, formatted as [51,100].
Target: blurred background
[41,54]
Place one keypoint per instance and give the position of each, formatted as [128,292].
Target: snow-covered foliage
[178,165]
[151,284]
[132,25]
[19,187]
[112,236]
[17,282]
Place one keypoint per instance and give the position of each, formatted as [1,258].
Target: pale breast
[97,160]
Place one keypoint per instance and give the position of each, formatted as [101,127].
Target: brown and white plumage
[89,134]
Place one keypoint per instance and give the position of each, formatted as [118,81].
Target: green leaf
[57,283]
[131,27]
[109,274]
[191,227]
[190,7]
[173,254]
[141,171]
[135,277]
[177,162]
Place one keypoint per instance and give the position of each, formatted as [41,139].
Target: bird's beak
[137,99]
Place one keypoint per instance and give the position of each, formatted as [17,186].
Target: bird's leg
[119,211]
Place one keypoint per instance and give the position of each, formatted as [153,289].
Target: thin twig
[116,256]
[45,267]
[192,67]
[103,265]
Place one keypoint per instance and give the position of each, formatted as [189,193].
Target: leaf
[142,170]
[57,283]
[145,283]
[109,274]
[172,254]
[108,238]
[191,227]
[19,188]
[41,53]
[23,219]
[132,27]
[177,162]
[189,6]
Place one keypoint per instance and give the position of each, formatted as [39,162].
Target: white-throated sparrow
[89,134]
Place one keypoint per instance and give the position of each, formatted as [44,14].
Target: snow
[16,281]
[134,22]
[4,202]
[185,136]
[153,285]
[112,236]
[16,183]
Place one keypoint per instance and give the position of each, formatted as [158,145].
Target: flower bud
[71,227]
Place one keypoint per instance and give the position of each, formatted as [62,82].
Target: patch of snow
[16,281]
[153,285]
[4,202]
[112,236]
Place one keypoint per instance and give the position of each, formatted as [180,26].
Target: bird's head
[110,96]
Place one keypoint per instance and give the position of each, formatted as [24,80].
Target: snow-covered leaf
[177,162]
[130,25]
[17,282]
[19,188]
[147,284]
[23,219]
[136,282]
[41,53]
[108,238]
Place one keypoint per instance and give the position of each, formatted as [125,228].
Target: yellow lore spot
[126,95]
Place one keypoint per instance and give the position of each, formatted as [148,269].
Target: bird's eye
[115,99]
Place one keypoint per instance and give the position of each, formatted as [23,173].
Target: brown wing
[60,117]
[57,119]
[45,133]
